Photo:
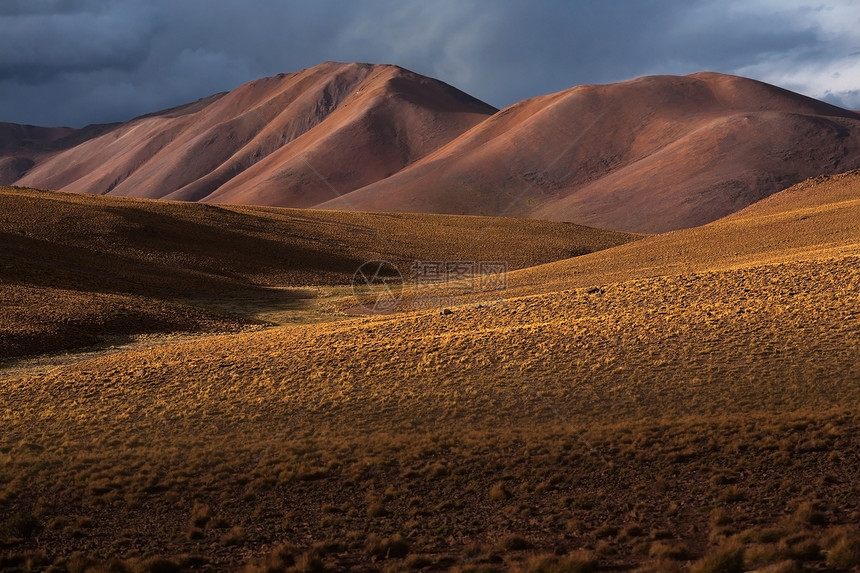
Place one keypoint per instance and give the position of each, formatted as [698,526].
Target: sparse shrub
[194,533]
[807,514]
[417,562]
[28,561]
[279,560]
[398,546]
[667,551]
[802,546]
[763,554]
[844,552]
[236,536]
[310,562]
[58,523]
[157,565]
[84,521]
[393,547]
[218,523]
[475,549]
[200,515]
[22,526]
[500,492]
[584,501]
[732,494]
[719,518]
[604,547]
[764,535]
[605,531]
[514,542]
[576,562]
[376,510]
[80,563]
[726,559]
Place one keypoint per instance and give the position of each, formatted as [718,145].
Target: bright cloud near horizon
[74,62]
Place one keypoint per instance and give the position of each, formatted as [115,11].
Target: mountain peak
[649,154]
[284,140]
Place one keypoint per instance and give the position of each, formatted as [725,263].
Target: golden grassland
[76,267]
[701,418]
[814,219]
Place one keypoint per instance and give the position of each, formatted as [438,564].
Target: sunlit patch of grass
[645,409]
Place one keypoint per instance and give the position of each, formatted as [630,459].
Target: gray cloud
[83,61]
[40,43]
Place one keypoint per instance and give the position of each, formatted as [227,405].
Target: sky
[75,62]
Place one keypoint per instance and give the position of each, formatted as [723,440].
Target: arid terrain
[652,154]
[286,140]
[681,401]
[648,155]
[77,268]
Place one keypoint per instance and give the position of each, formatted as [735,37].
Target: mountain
[294,139]
[648,155]
[22,146]
[817,219]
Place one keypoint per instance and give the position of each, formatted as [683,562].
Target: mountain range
[650,155]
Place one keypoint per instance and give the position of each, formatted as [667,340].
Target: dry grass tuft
[728,558]
[575,562]
[514,542]
[842,548]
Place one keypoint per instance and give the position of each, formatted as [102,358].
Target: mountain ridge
[585,154]
[188,152]
[651,154]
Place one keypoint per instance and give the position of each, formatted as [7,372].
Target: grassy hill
[685,402]
[77,267]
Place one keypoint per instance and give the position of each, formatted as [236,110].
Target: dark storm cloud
[81,61]
[45,39]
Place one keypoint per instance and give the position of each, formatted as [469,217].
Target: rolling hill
[78,267]
[816,218]
[648,155]
[688,401]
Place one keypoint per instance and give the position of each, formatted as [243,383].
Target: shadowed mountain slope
[294,139]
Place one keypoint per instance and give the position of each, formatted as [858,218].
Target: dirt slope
[647,155]
[697,417]
[23,146]
[284,140]
[75,267]
[819,217]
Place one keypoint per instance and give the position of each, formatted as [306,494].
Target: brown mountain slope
[816,219]
[22,146]
[284,140]
[648,155]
